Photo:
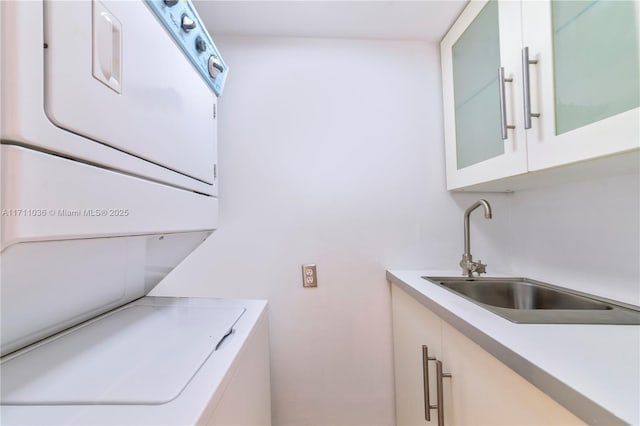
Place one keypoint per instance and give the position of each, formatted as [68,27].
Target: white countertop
[592,370]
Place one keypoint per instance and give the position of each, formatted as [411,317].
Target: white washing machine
[108,180]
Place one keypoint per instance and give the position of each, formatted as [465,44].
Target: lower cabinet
[413,326]
[481,389]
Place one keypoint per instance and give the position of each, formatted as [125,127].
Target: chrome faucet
[466,263]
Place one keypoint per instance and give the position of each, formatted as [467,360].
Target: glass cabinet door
[476,59]
[585,84]
[485,39]
[595,61]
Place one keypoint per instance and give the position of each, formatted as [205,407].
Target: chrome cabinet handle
[425,377]
[440,375]
[440,391]
[503,109]
[526,87]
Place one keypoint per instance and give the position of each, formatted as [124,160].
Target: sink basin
[523,300]
[519,294]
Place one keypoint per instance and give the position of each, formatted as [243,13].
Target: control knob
[201,45]
[170,3]
[215,67]
[187,23]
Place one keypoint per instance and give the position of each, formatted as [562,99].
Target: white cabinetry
[413,327]
[477,46]
[585,84]
[577,99]
[481,390]
[485,391]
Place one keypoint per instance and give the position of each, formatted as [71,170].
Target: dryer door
[114,75]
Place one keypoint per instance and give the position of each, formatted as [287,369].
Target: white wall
[331,153]
[582,235]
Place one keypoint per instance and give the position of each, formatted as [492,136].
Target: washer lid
[141,354]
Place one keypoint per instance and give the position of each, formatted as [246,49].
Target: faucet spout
[487,214]
[467,263]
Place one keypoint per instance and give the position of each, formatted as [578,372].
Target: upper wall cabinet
[533,85]
[484,134]
[585,84]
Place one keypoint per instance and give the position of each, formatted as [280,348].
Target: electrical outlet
[309,276]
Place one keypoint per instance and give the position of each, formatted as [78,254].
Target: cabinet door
[486,37]
[585,84]
[413,326]
[484,391]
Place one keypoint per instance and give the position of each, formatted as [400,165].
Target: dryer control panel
[185,26]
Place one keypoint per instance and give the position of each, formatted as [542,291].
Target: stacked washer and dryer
[108,181]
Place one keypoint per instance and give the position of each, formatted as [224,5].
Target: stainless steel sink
[523,300]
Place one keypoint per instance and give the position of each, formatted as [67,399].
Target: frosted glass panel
[595,57]
[476,59]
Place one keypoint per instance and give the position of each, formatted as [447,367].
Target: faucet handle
[479,267]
